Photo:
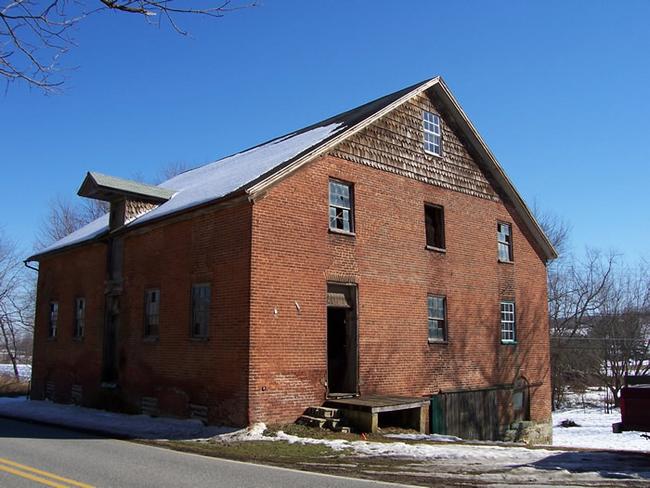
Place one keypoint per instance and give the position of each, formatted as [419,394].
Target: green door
[438,424]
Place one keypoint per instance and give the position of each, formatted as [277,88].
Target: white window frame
[504,243]
[436,319]
[338,211]
[79,317]
[151,313]
[432,133]
[53,319]
[508,322]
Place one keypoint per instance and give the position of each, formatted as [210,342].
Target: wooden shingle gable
[394,143]
[459,171]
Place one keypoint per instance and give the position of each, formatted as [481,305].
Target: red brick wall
[64,360]
[211,247]
[294,255]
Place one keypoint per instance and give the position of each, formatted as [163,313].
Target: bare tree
[16,317]
[170,170]
[620,335]
[65,216]
[35,34]
[578,291]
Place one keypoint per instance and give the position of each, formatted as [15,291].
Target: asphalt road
[36,455]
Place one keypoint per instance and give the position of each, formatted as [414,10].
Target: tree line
[599,317]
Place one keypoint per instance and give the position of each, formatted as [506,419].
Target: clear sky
[559,90]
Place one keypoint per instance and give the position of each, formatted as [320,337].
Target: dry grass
[11,387]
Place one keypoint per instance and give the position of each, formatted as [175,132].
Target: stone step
[323,412]
[311,421]
[332,424]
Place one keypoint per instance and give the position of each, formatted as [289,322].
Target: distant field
[24,370]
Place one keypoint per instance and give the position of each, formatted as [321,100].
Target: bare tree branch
[35,34]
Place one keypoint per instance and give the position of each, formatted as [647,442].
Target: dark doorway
[109,357]
[342,351]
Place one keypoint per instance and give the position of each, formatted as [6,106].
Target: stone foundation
[530,433]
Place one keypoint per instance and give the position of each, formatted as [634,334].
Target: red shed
[635,407]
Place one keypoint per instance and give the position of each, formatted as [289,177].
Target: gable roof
[256,169]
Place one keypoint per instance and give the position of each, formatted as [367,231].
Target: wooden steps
[323,418]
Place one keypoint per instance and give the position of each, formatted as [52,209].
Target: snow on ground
[595,425]
[489,463]
[24,370]
[110,423]
[443,457]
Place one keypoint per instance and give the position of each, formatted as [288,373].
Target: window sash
[200,310]
[79,317]
[508,322]
[152,312]
[340,206]
[437,317]
[432,133]
[504,240]
[54,319]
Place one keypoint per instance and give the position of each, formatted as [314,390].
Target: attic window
[432,134]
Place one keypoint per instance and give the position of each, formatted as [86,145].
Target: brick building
[382,251]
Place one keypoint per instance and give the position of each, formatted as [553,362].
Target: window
[54,319]
[341,206]
[437,317]
[504,236]
[79,317]
[151,312]
[200,310]
[434,221]
[432,135]
[508,334]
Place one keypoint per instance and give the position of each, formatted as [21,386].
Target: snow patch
[109,423]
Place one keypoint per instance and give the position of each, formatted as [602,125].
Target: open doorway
[342,340]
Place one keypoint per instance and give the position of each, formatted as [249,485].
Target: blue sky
[559,90]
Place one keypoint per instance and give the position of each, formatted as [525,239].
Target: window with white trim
[508,330]
[79,317]
[53,319]
[504,238]
[437,307]
[151,312]
[432,133]
[200,310]
[341,206]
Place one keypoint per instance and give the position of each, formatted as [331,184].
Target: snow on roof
[215,180]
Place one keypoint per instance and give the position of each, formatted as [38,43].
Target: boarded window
[341,206]
[504,237]
[200,310]
[53,319]
[79,317]
[151,312]
[432,134]
[508,332]
[437,306]
[434,220]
